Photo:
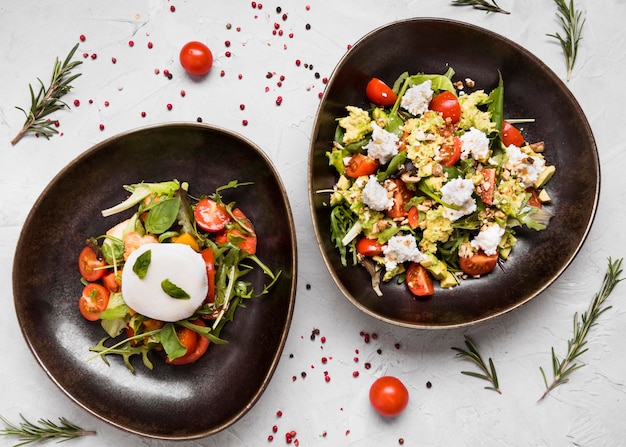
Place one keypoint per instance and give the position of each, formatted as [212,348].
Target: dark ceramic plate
[532,90]
[169,402]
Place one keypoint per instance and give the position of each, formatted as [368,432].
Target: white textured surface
[456,411]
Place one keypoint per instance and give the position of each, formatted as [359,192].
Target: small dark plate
[169,402]
[532,90]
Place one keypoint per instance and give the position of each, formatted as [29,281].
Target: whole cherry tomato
[196,58]
[389,396]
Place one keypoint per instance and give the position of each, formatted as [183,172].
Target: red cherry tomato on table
[359,165]
[389,396]
[510,135]
[196,58]
[380,93]
[89,265]
[210,215]
[418,280]
[447,104]
[478,264]
[93,301]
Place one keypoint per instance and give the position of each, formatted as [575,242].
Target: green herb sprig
[562,369]
[48,100]
[44,430]
[489,372]
[570,19]
[483,5]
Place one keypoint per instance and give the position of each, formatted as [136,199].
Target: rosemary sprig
[572,25]
[483,5]
[48,100]
[44,430]
[489,373]
[576,345]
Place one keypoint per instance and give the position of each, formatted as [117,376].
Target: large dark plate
[532,90]
[169,402]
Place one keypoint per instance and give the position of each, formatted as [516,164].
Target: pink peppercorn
[101,126]
[143,114]
[94,56]
[228,54]
[279,100]
[242,106]
[183,93]
[355,374]
[172,8]
[114,60]
[150,45]
[82,38]
[76,102]
[279,413]
[131,43]
[169,107]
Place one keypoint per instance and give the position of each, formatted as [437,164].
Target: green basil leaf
[171,344]
[173,290]
[162,216]
[142,263]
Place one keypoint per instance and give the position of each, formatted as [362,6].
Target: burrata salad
[433,182]
[171,276]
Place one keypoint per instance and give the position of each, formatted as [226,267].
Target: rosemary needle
[44,430]
[572,25]
[48,100]
[489,373]
[483,5]
[576,345]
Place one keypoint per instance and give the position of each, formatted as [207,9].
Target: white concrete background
[456,410]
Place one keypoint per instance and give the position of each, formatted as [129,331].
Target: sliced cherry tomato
[447,104]
[533,200]
[187,338]
[89,265]
[210,215]
[209,261]
[360,164]
[450,152]
[389,396]
[488,185]
[418,280]
[94,301]
[240,237]
[379,93]
[196,58]
[510,135]
[111,282]
[200,348]
[413,217]
[478,264]
[369,247]
[401,195]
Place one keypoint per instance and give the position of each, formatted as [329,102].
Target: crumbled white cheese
[401,248]
[374,195]
[416,99]
[383,146]
[474,143]
[458,192]
[488,238]
[526,167]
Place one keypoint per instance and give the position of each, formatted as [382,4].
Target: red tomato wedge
[110,281]
[369,247]
[478,264]
[90,266]
[401,196]
[360,164]
[450,152]
[488,185]
[380,93]
[418,280]
[209,261]
[237,235]
[201,346]
[210,215]
[510,135]
[413,217]
[94,301]
[447,104]
[533,200]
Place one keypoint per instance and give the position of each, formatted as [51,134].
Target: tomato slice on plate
[369,247]
[210,215]
[510,135]
[201,346]
[209,261]
[447,104]
[401,195]
[235,233]
[418,280]
[90,267]
[478,264]
[93,301]
[450,152]
[488,185]
[380,93]
[360,164]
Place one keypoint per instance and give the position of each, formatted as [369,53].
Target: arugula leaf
[173,290]
[142,263]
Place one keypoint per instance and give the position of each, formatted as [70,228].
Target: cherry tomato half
[447,104]
[89,265]
[210,215]
[198,351]
[369,247]
[380,93]
[488,185]
[401,195]
[359,165]
[450,152]
[418,280]
[196,58]
[209,262]
[478,264]
[389,396]
[510,135]
[93,301]
[234,233]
